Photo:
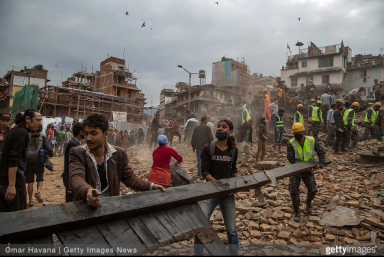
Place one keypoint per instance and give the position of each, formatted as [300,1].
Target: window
[363,75]
[118,79]
[293,82]
[118,91]
[326,61]
[304,64]
[243,81]
[325,79]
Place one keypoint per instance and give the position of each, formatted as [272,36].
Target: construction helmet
[378,104]
[313,100]
[299,105]
[318,102]
[356,104]
[338,101]
[297,127]
[265,90]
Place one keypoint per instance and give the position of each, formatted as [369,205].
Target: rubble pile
[349,182]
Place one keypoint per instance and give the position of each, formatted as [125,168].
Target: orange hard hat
[299,105]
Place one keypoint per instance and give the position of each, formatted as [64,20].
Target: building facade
[166,96]
[322,65]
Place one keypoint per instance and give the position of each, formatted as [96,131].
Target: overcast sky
[61,35]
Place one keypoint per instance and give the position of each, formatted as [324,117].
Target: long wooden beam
[23,224]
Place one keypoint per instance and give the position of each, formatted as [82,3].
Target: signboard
[119,116]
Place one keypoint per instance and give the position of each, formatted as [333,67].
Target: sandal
[31,203]
[38,197]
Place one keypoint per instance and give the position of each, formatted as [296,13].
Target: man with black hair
[201,136]
[173,125]
[13,193]
[78,135]
[190,126]
[154,128]
[97,167]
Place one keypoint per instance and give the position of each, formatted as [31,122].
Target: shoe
[297,217]
[38,197]
[309,206]
[31,203]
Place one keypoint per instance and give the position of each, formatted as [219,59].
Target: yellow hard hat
[356,104]
[378,103]
[319,102]
[338,101]
[297,127]
[313,100]
[299,105]
[265,90]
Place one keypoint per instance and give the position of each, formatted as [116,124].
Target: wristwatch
[151,185]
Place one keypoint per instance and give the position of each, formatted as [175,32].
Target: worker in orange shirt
[267,101]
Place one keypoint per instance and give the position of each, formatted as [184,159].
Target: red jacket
[162,156]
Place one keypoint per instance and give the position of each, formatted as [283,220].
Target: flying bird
[151,28]
[217,3]
[127,13]
[298,18]
[143,25]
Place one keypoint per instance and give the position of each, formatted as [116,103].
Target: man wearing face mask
[341,136]
[302,148]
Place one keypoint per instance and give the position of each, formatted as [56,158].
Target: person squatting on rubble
[201,136]
[331,135]
[341,136]
[174,129]
[316,119]
[5,118]
[78,135]
[13,193]
[278,125]
[38,149]
[369,121]
[99,166]
[349,123]
[302,148]
[218,161]
[190,125]
[245,142]
[161,171]
[262,137]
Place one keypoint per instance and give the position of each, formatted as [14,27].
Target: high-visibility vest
[373,116]
[306,153]
[279,122]
[248,116]
[301,119]
[315,117]
[345,117]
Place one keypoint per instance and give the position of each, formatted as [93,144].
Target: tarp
[55,121]
[25,99]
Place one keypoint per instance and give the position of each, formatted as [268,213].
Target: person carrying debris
[13,193]
[369,122]
[218,161]
[263,136]
[278,125]
[201,136]
[244,137]
[341,135]
[161,171]
[97,168]
[349,123]
[302,148]
[355,95]
[330,141]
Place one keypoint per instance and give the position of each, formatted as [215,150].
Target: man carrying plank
[97,168]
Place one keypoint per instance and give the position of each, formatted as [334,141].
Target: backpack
[33,149]
[212,151]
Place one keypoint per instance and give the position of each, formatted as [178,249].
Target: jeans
[246,146]
[279,137]
[379,132]
[198,155]
[228,209]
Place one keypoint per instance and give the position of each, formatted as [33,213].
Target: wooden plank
[169,225]
[145,235]
[372,156]
[156,228]
[216,248]
[198,212]
[173,214]
[119,233]
[83,237]
[267,165]
[51,219]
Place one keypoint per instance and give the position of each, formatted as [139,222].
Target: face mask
[221,135]
[298,136]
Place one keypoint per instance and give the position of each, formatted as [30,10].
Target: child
[161,172]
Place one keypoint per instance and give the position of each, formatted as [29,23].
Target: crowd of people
[95,161]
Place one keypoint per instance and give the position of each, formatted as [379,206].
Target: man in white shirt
[274,107]
[212,126]
[355,95]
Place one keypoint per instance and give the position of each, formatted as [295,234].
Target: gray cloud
[193,33]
